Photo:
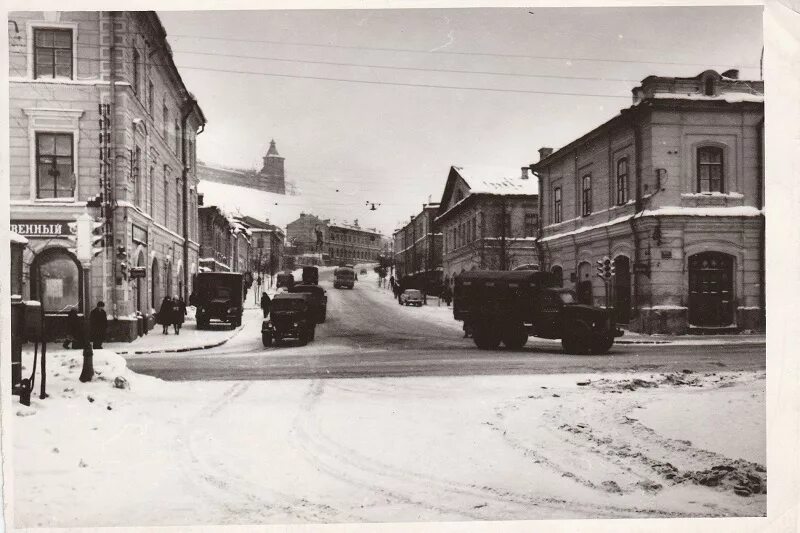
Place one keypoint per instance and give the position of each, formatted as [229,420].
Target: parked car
[411,297]
[218,296]
[319,299]
[363,271]
[290,316]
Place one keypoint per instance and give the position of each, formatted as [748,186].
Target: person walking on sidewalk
[178,313]
[165,315]
[98,321]
[265,303]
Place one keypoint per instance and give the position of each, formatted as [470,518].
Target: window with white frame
[556,205]
[55,177]
[52,53]
[710,169]
[622,181]
[587,195]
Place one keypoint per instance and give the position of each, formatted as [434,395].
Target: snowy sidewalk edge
[183,349]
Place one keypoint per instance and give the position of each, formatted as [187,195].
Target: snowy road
[367,334]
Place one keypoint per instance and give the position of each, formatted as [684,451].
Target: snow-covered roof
[16,238]
[497,180]
[731,98]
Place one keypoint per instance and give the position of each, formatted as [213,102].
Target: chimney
[524,173]
[544,153]
[200,199]
[732,74]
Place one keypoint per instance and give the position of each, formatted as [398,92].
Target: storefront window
[57,282]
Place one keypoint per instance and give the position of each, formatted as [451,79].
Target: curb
[190,349]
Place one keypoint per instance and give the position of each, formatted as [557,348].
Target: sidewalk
[632,337]
[189,339]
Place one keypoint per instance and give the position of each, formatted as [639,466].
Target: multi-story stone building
[350,243]
[418,247]
[225,242]
[266,250]
[489,219]
[307,234]
[270,178]
[99,110]
[672,191]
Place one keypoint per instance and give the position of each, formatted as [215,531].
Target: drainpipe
[112,101]
[637,149]
[187,111]
[762,293]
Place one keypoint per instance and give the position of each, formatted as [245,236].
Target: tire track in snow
[240,499]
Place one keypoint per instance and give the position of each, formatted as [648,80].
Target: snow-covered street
[387,449]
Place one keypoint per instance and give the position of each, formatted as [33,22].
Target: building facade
[350,243]
[271,177]
[307,234]
[418,246]
[101,122]
[266,246]
[489,219]
[671,190]
[225,242]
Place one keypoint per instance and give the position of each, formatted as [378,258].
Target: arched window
[56,281]
[710,170]
[622,181]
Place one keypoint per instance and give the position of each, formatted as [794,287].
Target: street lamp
[85,250]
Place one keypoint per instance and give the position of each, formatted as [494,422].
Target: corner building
[671,190]
[99,111]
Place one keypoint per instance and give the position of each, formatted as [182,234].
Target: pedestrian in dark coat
[447,295]
[265,303]
[178,313]
[165,315]
[98,321]
[74,330]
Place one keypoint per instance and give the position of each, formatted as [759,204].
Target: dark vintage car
[411,297]
[318,297]
[290,316]
[310,275]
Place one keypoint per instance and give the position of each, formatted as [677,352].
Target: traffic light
[95,201]
[613,269]
[601,271]
[605,268]
[98,236]
[122,262]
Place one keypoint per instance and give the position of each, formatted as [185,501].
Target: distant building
[267,246]
[270,178]
[418,248]
[672,191]
[489,219]
[224,242]
[334,242]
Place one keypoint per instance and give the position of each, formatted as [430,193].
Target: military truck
[344,277]
[290,316]
[218,296]
[284,279]
[507,307]
[310,275]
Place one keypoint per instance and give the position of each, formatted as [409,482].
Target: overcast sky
[393,144]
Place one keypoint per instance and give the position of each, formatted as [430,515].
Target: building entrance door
[622,289]
[711,289]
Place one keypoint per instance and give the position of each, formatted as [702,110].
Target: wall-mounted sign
[41,228]
[666,254]
[138,272]
[139,234]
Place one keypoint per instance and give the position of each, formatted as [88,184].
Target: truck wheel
[266,339]
[278,340]
[236,323]
[515,336]
[577,338]
[486,338]
[601,344]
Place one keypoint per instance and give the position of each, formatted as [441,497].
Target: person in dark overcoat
[74,330]
[165,315]
[265,303]
[98,322]
[178,313]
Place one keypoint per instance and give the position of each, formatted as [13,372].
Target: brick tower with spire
[272,173]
